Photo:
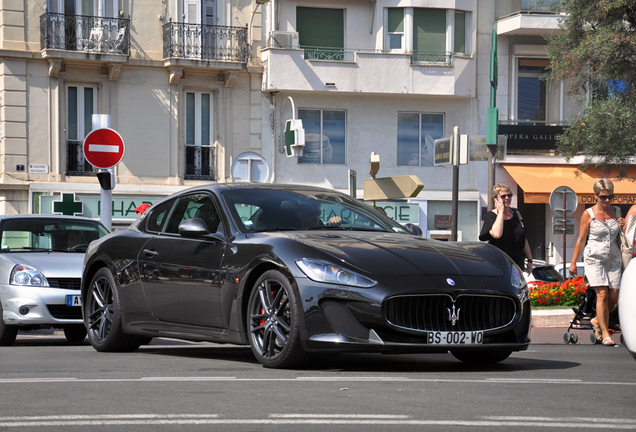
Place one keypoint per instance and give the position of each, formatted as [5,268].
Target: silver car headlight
[324,271]
[26,275]
[518,281]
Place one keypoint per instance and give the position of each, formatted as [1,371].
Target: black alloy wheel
[102,317]
[273,322]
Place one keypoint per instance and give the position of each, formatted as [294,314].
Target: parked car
[543,273]
[41,259]
[627,303]
[292,270]
[580,268]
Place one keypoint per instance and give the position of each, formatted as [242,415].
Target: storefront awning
[538,181]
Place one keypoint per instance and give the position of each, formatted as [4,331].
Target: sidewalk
[550,318]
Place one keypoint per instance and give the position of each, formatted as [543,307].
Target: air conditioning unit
[282,39]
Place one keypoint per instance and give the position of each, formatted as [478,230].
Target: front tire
[75,333]
[102,317]
[481,357]
[273,317]
[8,333]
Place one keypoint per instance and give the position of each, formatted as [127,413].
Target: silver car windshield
[47,235]
[261,210]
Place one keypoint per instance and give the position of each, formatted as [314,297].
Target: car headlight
[518,281]
[27,276]
[324,271]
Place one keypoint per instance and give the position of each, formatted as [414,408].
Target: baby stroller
[583,314]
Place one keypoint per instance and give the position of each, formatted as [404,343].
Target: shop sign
[401,212]
[122,207]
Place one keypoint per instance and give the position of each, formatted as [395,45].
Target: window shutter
[210,15]
[429,30]
[320,27]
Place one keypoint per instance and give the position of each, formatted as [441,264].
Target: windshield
[48,235]
[260,210]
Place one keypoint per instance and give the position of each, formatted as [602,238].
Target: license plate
[73,300]
[455,338]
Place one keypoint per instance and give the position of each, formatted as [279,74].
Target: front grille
[433,312]
[66,283]
[65,312]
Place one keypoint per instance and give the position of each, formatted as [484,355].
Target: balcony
[85,34]
[205,42]
[527,17]
[76,163]
[368,71]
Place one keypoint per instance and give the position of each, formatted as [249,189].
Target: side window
[195,206]
[158,215]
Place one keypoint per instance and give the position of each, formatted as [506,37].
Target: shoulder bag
[624,244]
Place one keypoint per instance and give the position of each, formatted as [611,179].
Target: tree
[595,54]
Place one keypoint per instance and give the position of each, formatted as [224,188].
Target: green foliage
[597,47]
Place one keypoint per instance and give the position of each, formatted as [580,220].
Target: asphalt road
[49,384]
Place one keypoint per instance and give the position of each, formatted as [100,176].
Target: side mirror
[414,229]
[193,228]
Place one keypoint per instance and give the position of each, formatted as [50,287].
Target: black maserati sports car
[292,270]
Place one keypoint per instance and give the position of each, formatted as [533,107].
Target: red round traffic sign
[103,148]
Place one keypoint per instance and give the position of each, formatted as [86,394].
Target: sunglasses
[505,196]
[606,197]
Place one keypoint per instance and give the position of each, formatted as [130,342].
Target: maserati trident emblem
[453,316]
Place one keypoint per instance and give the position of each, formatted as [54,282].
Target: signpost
[104,148]
[563,201]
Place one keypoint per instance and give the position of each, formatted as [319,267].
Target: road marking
[310,419]
[539,381]
[104,148]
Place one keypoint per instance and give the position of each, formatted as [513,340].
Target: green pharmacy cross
[68,206]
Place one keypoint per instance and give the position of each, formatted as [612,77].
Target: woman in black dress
[503,227]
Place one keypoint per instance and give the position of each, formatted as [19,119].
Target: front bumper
[46,306]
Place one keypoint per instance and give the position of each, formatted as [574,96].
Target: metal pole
[106,196]
[352,183]
[564,229]
[455,183]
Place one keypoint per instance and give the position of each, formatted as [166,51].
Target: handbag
[626,245]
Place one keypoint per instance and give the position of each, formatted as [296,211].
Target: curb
[548,318]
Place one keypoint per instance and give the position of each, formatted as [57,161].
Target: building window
[429,34]
[321,33]
[199,152]
[395,29]
[416,138]
[80,106]
[531,90]
[324,136]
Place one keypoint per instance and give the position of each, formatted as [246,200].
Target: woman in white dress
[601,255]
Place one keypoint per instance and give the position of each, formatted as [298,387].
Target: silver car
[41,259]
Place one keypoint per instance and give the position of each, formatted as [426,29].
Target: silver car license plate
[455,338]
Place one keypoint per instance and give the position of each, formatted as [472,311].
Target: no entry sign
[103,148]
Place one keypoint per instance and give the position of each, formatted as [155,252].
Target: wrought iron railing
[85,33]
[199,163]
[76,163]
[205,42]
[427,57]
[328,53]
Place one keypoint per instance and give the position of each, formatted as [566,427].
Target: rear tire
[481,357]
[102,316]
[8,333]
[273,317]
[75,333]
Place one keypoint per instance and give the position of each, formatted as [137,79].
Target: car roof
[46,216]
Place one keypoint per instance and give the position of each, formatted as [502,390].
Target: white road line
[315,379]
[104,148]
[358,419]
[340,416]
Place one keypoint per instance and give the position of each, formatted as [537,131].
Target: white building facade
[175,77]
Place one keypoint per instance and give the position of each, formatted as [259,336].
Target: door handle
[150,253]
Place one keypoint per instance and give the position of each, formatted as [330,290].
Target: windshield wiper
[285,228]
